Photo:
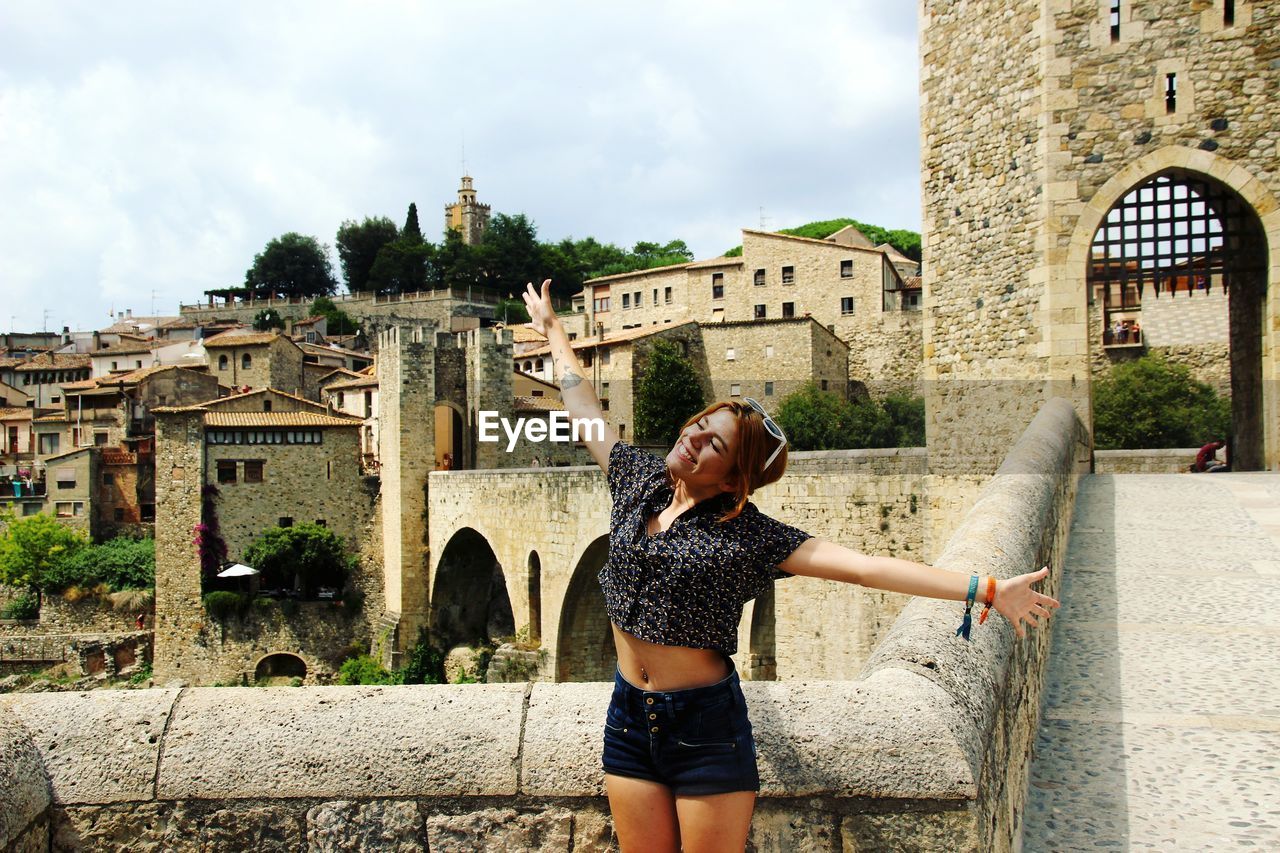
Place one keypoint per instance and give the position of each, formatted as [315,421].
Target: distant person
[1206,459]
[446,464]
[537,462]
[141,621]
[687,550]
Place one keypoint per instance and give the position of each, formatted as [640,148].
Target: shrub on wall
[120,563]
[33,551]
[222,605]
[821,420]
[25,606]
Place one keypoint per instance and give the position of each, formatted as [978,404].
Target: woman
[686,551]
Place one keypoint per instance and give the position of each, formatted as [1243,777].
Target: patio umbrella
[237,570]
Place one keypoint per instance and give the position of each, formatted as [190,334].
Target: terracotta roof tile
[15,413]
[362,382]
[237,338]
[55,361]
[277,419]
[538,404]
[615,338]
[913,282]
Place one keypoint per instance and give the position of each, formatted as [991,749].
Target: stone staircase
[1160,726]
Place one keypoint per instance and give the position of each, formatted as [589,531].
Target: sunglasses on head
[774,430]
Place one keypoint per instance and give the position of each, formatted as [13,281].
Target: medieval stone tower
[1079,158]
[465,215]
[421,369]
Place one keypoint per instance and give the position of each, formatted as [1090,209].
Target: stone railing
[1174,461]
[926,750]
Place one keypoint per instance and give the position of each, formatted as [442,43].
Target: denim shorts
[695,741]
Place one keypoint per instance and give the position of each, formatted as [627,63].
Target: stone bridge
[926,747]
[520,550]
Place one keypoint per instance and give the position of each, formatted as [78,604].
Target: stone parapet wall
[1177,460]
[926,750]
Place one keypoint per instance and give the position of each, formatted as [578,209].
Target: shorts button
[649,701]
[653,716]
[654,729]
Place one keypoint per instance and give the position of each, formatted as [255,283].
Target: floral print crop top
[684,586]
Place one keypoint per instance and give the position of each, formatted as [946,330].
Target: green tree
[1151,403]
[906,242]
[402,266]
[337,322]
[412,230]
[120,563]
[266,319]
[302,557]
[33,549]
[667,394]
[511,311]
[906,413]
[509,255]
[358,248]
[813,419]
[292,265]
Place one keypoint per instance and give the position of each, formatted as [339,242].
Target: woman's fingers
[1036,608]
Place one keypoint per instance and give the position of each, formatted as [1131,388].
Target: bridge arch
[1254,317]
[469,598]
[279,665]
[584,645]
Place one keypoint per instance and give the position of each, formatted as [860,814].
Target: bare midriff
[651,666]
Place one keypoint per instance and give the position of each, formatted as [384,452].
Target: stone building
[1082,149]
[467,216]
[853,288]
[244,358]
[766,359]
[42,376]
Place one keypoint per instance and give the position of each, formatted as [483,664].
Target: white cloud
[161,149]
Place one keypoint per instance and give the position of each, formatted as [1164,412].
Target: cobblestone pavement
[1160,728]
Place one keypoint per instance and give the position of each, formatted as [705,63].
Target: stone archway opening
[762,664]
[534,591]
[449,434]
[584,647]
[280,667]
[1193,242]
[469,600]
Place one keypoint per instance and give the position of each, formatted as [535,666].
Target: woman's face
[704,453]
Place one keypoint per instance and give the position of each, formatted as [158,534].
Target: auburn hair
[752,449]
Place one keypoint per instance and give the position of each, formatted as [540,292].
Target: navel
[644,676]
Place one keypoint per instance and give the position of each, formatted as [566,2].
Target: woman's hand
[1016,600]
[541,315]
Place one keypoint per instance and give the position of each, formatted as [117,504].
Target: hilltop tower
[466,216]
[1084,161]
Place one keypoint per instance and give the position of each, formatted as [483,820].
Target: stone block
[564,739]
[503,831]
[380,825]
[344,741]
[24,789]
[100,746]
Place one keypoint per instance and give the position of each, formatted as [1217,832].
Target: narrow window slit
[1115,21]
[1170,93]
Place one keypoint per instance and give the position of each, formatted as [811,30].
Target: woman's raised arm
[579,397]
[1015,599]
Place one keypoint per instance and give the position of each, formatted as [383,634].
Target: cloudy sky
[147,152]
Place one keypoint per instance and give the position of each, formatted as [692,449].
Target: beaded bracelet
[963,630]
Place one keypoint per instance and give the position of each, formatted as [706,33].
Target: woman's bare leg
[644,815]
[715,822]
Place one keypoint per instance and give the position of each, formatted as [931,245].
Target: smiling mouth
[684,453]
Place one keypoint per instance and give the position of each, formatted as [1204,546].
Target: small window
[604,404]
[31,508]
[226,471]
[788,275]
[77,509]
[246,361]
[62,509]
[626,301]
[604,390]
[846,269]
[728,354]
[1171,93]
[717,291]
[253,471]
[760,312]
[735,390]
[55,400]
[1115,21]
[1229,13]
[341,399]
[536,392]
[788,309]
[48,444]
[604,356]
[666,295]
[138,365]
[115,365]
[573,336]
[655,296]
[717,278]
[266,405]
[824,385]
[285,521]
[66,480]
[108,479]
[100,438]
[846,304]
[768,389]
[222,362]
[759,278]
[119,514]
[636,298]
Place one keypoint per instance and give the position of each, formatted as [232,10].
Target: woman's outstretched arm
[575,390]
[1015,599]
